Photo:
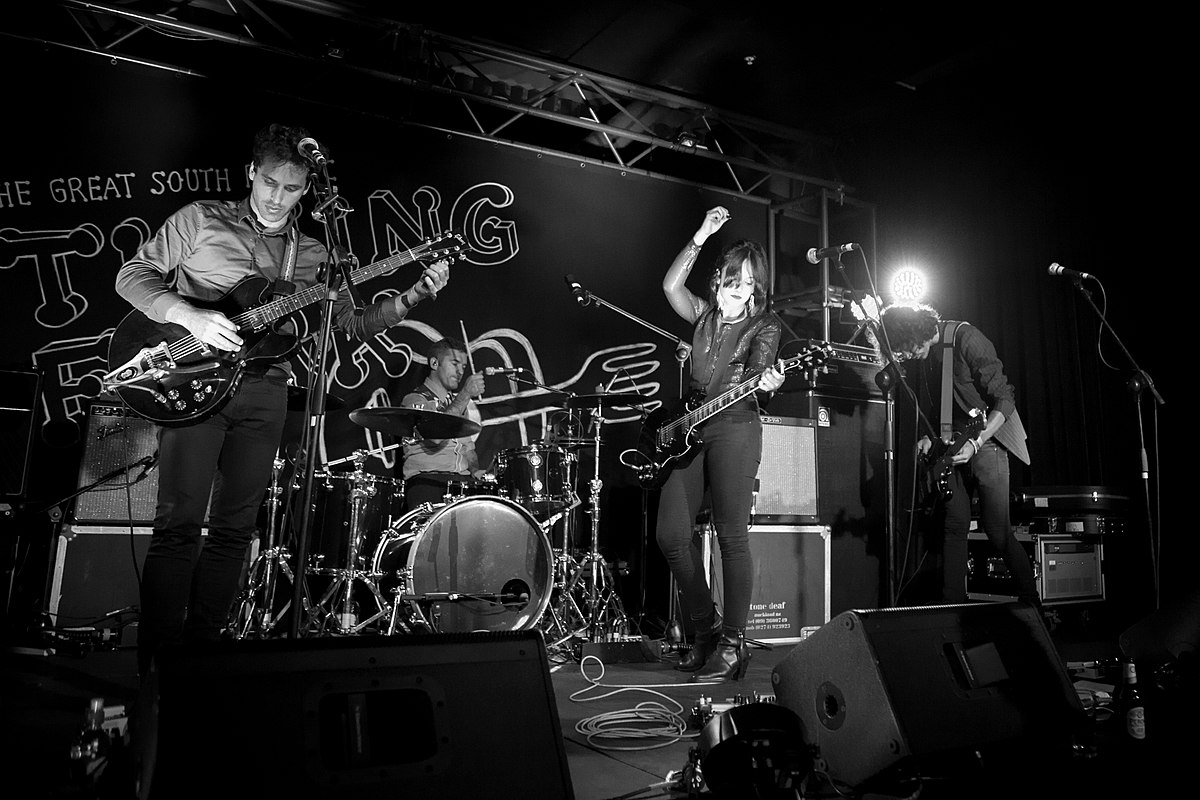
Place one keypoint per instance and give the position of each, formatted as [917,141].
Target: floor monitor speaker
[433,716]
[879,690]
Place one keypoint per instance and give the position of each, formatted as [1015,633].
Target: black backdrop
[96,162]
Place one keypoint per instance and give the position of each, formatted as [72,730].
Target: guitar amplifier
[786,489]
[849,369]
[118,468]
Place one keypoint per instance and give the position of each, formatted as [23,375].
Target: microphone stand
[330,208]
[1137,383]
[885,379]
[683,351]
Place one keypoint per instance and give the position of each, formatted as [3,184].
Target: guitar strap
[284,285]
[949,332]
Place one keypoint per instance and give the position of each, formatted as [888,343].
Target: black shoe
[728,661]
[703,645]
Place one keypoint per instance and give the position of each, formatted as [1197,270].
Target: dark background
[988,150]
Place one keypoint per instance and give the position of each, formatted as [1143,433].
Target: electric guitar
[937,464]
[166,375]
[669,433]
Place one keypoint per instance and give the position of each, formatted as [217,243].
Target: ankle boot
[705,641]
[729,659]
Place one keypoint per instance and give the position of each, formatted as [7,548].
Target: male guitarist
[956,372]
[197,257]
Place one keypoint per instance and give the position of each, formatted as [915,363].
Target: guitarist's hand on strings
[211,328]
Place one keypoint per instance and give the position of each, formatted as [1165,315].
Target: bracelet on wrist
[404,300]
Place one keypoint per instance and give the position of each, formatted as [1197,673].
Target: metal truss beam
[417,76]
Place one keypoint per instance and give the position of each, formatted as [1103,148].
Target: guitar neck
[282,306]
[744,389]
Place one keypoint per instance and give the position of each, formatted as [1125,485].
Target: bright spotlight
[908,285]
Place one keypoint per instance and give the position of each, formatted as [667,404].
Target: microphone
[310,149]
[582,296]
[815,256]
[503,370]
[1059,269]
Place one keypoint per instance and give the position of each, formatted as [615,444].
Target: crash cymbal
[405,422]
[607,400]
[298,400]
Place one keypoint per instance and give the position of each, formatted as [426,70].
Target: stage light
[908,285]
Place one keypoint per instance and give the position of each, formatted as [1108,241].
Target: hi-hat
[405,422]
[607,400]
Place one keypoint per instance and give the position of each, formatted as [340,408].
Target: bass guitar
[937,465]
[669,433]
[166,375]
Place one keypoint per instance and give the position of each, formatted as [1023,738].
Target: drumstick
[467,344]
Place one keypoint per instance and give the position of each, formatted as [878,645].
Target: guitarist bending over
[197,257]
[734,336]
[977,381]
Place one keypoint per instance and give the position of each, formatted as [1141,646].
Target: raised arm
[682,300]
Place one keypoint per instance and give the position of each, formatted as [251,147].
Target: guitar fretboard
[261,316]
[810,357]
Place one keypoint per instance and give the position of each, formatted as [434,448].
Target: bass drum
[476,564]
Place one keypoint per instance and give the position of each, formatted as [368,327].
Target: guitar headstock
[812,356]
[449,245]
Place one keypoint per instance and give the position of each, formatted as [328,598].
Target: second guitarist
[734,337]
[199,254]
[956,370]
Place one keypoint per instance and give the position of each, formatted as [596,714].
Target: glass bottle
[1132,707]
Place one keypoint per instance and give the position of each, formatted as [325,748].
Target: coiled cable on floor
[648,720]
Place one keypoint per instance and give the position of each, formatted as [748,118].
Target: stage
[524,721]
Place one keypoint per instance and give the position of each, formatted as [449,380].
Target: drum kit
[481,560]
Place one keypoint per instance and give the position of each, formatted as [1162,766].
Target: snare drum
[471,487]
[539,477]
[477,564]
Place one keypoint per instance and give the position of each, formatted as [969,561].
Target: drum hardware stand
[604,615]
[683,352]
[253,615]
[342,612]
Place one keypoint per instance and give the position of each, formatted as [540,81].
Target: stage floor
[629,731]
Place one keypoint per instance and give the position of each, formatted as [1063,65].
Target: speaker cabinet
[95,572]
[117,457]
[852,491]
[790,596]
[878,690]
[787,474]
[437,716]
[20,392]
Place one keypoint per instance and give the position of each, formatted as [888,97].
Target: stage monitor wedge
[434,716]
[892,688]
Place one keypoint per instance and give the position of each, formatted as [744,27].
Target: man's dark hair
[278,143]
[443,347]
[909,325]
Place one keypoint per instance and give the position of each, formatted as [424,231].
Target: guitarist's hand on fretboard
[210,327]
[772,377]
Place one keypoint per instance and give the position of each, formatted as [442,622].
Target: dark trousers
[726,464]
[986,474]
[188,586]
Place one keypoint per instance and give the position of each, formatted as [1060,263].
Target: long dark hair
[729,270]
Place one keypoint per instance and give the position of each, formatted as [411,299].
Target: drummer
[431,465]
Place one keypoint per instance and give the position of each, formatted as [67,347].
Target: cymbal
[298,400]
[404,422]
[607,400]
